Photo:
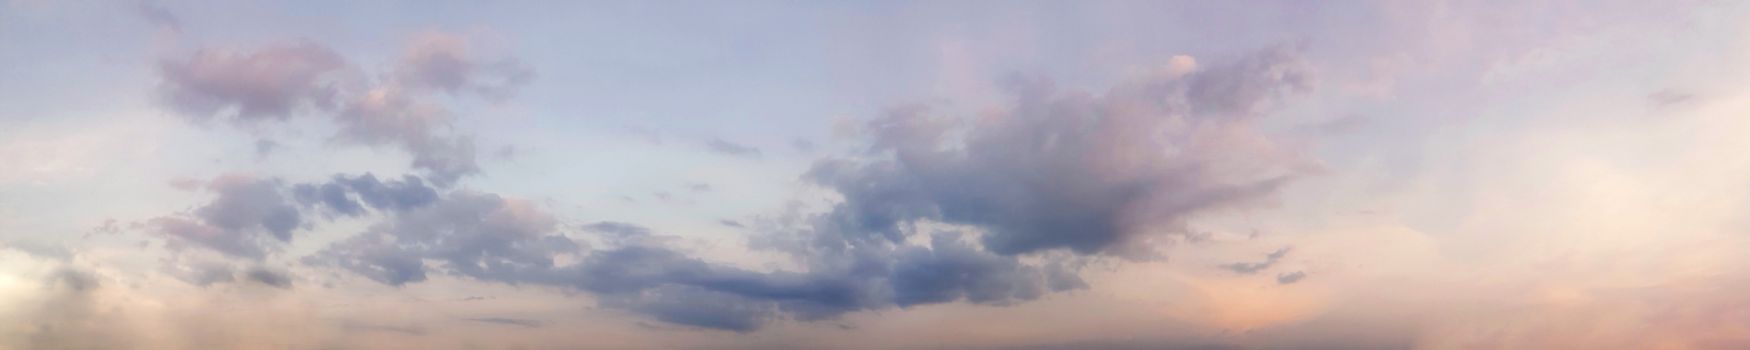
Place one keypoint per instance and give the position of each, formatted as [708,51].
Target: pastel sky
[874,175]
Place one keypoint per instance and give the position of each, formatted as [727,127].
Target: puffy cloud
[251,216]
[1094,174]
[473,234]
[343,194]
[246,216]
[284,81]
[271,83]
[952,270]
[444,62]
[388,116]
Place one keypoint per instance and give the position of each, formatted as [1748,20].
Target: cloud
[1093,174]
[246,216]
[443,62]
[472,234]
[525,323]
[201,273]
[251,216]
[802,145]
[73,280]
[39,249]
[158,16]
[1058,170]
[343,194]
[1251,268]
[389,116]
[619,229]
[69,316]
[693,306]
[1668,97]
[491,238]
[729,148]
[952,270]
[269,277]
[1290,278]
[265,147]
[279,82]
[271,83]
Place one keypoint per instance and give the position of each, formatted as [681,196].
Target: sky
[874,175]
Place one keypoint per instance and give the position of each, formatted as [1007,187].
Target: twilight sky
[1362,174]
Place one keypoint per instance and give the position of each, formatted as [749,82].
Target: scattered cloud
[734,149]
[444,62]
[268,84]
[525,323]
[1290,278]
[1251,268]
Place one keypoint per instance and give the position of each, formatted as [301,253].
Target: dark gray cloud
[271,83]
[731,223]
[244,220]
[250,216]
[1291,277]
[1069,170]
[692,306]
[343,194]
[952,270]
[486,237]
[731,148]
[668,284]
[472,234]
[269,277]
[1251,268]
